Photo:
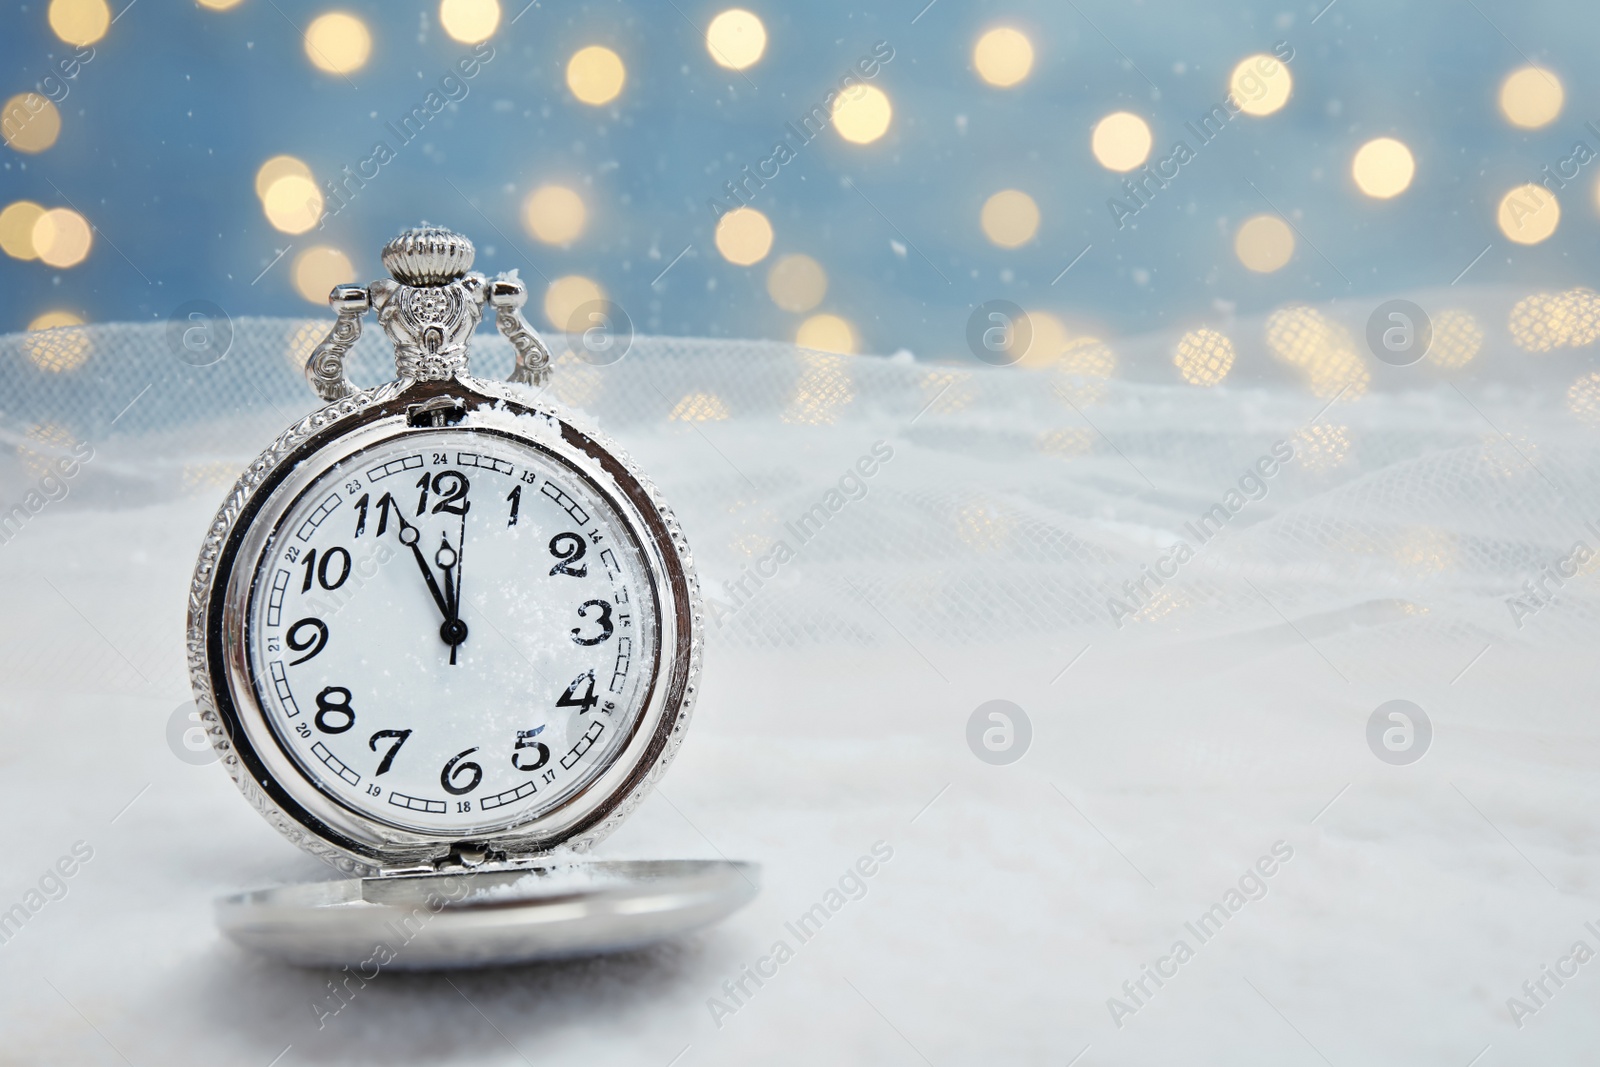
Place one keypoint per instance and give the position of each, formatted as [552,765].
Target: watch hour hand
[409,536]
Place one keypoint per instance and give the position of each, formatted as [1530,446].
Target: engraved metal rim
[668,711]
[477,918]
[268,753]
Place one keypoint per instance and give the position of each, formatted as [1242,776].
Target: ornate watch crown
[429,310]
[428,255]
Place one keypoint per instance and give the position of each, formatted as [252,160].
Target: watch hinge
[440,411]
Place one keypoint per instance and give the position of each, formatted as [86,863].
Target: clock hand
[454,631]
[409,537]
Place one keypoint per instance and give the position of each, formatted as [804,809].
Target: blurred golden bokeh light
[554,214]
[596,75]
[292,203]
[318,269]
[1583,398]
[469,21]
[16,229]
[1321,348]
[338,42]
[1003,56]
[279,167]
[1531,97]
[55,343]
[744,236]
[219,5]
[797,283]
[565,299]
[30,123]
[736,39]
[1049,340]
[861,114]
[1082,369]
[1528,214]
[827,333]
[700,407]
[62,237]
[80,22]
[1547,321]
[1457,339]
[1260,85]
[276,168]
[1203,356]
[1383,168]
[1010,218]
[1121,141]
[1264,243]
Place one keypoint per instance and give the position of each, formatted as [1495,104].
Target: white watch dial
[452,632]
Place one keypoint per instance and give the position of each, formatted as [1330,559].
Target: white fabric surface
[1173,752]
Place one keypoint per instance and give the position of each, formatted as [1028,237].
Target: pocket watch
[440,628]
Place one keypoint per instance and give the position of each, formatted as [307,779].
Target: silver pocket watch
[438,631]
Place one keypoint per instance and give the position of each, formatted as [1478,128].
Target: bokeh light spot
[30,123]
[827,333]
[596,75]
[1260,85]
[565,297]
[318,269]
[279,167]
[1203,356]
[220,5]
[797,283]
[736,39]
[56,343]
[1383,168]
[1528,214]
[554,214]
[861,113]
[1003,56]
[1531,97]
[700,407]
[338,42]
[293,203]
[16,229]
[1321,348]
[62,237]
[1457,338]
[80,22]
[1264,243]
[1121,141]
[470,21]
[1583,398]
[744,236]
[1547,321]
[1010,218]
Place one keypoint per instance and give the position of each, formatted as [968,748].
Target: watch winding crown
[429,307]
[427,256]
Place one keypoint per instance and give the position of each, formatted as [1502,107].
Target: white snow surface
[1167,756]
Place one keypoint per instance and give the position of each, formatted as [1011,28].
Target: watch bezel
[239,726]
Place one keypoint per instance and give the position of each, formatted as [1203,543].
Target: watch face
[452,631]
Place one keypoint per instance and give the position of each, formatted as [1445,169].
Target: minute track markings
[495,775]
